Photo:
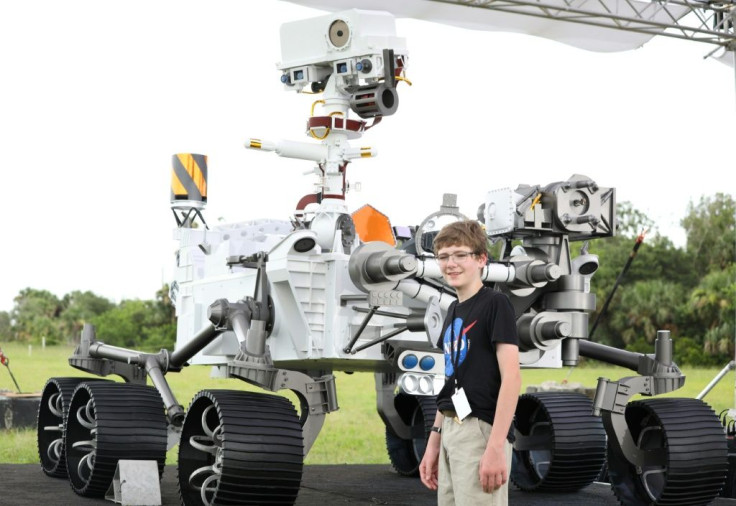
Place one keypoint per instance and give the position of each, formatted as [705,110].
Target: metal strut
[709,22]
[186,219]
[414,322]
[363,324]
[381,339]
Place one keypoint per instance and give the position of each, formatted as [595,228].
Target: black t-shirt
[478,324]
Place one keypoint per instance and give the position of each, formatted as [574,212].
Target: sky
[95,98]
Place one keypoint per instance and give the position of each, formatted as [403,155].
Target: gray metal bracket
[611,398]
[385,394]
[135,483]
[103,367]
[83,360]
[660,375]
[610,402]
[317,397]
[254,369]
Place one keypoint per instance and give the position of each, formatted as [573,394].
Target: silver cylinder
[663,348]
[570,351]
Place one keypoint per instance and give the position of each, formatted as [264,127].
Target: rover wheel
[418,412]
[50,425]
[240,448]
[689,450]
[108,422]
[560,445]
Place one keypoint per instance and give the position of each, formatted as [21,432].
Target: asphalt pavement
[27,485]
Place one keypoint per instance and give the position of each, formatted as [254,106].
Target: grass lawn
[353,435]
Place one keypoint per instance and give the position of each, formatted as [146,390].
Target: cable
[399,78]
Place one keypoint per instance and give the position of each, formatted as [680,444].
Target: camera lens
[339,33]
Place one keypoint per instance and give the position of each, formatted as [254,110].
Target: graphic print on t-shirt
[461,335]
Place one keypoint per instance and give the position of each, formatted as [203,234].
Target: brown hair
[462,233]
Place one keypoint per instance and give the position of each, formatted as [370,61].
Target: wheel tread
[697,453]
[262,447]
[124,431]
[578,442]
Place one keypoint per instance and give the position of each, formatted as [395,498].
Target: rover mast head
[353,59]
[358,49]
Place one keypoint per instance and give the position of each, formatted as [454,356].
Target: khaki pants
[460,453]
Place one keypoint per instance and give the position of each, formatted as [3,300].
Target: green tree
[35,315]
[123,325]
[78,308]
[631,222]
[144,324]
[711,234]
[6,332]
[657,258]
[162,333]
[713,304]
[647,307]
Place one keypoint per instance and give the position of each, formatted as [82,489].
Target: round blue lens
[427,363]
[410,361]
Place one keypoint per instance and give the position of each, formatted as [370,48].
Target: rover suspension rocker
[283,304]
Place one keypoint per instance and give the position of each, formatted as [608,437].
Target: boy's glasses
[458,257]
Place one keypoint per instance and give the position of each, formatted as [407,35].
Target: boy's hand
[493,471]
[428,468]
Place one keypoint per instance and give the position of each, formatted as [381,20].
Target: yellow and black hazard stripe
[189,177]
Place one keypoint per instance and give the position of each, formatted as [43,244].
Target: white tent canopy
[594,25]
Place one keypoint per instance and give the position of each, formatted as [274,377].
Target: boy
[468,455]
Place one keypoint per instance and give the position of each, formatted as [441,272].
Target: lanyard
[455,344]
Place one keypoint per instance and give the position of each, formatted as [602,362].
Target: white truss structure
[700,21]
[595,25]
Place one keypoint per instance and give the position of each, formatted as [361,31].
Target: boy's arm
[428,468]
[494,470]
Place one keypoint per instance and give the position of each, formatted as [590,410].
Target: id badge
[462,406]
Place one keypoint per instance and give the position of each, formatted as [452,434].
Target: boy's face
[459,266]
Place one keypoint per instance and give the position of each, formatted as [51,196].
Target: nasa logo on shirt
[460,335]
